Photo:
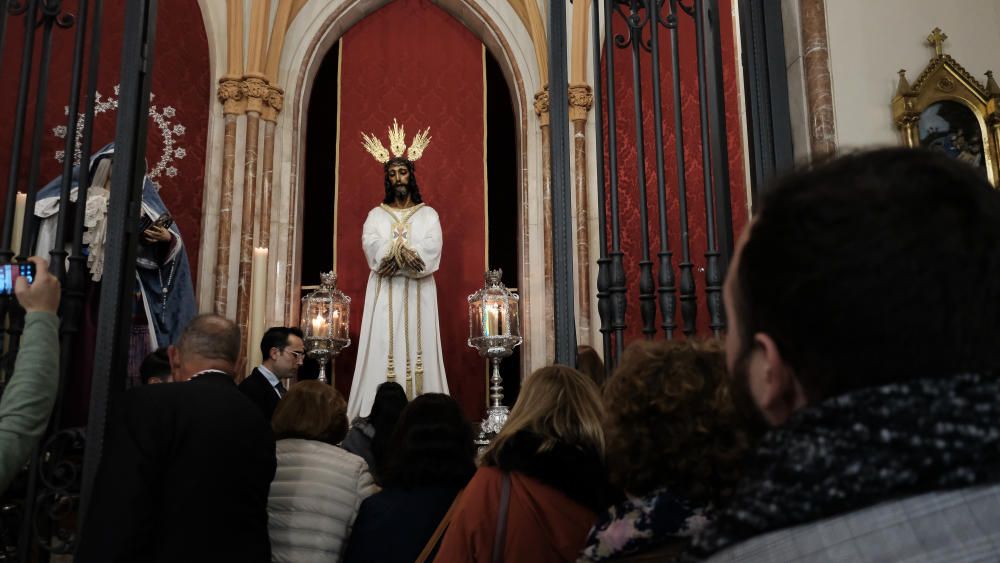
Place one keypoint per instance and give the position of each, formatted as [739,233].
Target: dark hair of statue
[276,337]
[873,268]
[432,445]
[390,195]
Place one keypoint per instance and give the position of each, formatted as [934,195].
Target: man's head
[210,342]
[873,268]
[155,368]
[282,349]
[400,181]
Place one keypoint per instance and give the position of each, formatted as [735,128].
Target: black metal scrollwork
[60,470]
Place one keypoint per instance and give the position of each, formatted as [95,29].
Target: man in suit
[187,467]
[283,350]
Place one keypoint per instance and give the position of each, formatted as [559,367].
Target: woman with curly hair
[541,481]
[674,446]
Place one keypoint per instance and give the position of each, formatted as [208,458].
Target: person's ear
[777,389]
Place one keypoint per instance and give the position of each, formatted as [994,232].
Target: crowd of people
[850,414]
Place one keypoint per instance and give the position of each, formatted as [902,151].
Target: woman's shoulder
[315,449]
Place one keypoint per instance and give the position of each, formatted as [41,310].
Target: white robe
[424,236]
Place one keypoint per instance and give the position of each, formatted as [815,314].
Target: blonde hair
[311,410]
[560,405]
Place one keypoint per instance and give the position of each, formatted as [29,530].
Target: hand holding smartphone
[37,290]
[10,272]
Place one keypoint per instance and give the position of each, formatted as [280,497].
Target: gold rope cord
[406,336]
[390,370]
[418,372]
[390,374]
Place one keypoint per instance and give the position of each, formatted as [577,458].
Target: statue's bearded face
[399,179]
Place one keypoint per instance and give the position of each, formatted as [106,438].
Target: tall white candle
[19,205]
[258,303]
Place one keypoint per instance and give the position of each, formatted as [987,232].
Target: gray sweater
[30,394]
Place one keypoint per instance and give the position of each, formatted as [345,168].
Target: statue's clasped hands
[401,257]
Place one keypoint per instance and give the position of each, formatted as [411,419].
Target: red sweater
[543,524]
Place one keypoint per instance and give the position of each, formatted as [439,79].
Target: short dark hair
[390,195]
[872,268]
[212,337]
[432,445]
[589,363]
[390,400]
[156,364]
[276,337]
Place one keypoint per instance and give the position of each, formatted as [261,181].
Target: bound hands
[401,257]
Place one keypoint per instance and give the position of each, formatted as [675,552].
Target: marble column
[816,66]
[256,92]
[542,110]
[581,98]
[230,93]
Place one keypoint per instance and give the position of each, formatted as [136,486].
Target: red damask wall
[181,100]
[629,195]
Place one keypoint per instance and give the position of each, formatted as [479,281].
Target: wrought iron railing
[51,508]
[658,285]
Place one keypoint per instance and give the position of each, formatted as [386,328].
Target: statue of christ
[400,338]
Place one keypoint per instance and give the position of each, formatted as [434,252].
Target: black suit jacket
[260,391]
[184,477]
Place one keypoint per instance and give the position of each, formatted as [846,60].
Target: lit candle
[19,204]
[258,302]
[319,325]
[492,320]
[335,319]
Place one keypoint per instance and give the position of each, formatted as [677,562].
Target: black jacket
[184,476]
[260,391]
[394,525]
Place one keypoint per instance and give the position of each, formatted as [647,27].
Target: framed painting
[948,110]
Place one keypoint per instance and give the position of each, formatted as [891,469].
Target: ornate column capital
[255,91]
[274,101]
[542,106]
[230,95]
[581,99]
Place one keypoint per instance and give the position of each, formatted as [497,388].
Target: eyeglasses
[297,353]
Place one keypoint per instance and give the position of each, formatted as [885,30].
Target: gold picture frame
[947,109]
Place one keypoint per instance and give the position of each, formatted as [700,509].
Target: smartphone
[10,272]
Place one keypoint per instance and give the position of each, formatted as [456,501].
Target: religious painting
[954,129]
[948,110]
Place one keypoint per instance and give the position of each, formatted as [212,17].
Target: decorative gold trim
[944,79]
[486,176]
[336,157]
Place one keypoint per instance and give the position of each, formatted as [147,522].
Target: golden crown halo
[397,143]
